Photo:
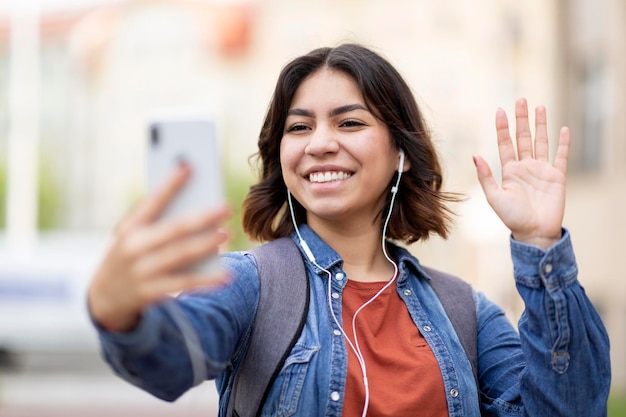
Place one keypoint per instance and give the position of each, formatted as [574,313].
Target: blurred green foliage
[617,406]
[49,195]
[50,199]
[237,187]
[3,193]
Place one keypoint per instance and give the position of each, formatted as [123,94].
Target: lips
[329,176]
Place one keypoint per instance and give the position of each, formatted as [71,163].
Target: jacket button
[335,295]
[339,276]
[454,392]
[408,292]
[427,328]
[334,396]
[337,332]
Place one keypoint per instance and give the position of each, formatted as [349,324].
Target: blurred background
[79,80]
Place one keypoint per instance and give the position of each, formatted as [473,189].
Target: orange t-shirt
[403,374]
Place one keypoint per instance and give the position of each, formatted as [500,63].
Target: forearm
[563,340]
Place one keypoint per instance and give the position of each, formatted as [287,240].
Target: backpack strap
[457,299]
[280,316]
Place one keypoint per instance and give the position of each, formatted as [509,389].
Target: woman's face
[336,156]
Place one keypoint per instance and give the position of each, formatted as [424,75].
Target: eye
[297,127]
[351,123]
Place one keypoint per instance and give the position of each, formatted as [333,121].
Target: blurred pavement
[64,385]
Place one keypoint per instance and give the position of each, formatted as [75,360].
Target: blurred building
[103,70]
[592,99]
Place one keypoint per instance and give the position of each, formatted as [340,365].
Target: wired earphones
[355,346]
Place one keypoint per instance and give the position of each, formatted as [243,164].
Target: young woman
[347,167]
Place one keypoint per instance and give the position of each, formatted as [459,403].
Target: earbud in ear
[394,189]
[401,163]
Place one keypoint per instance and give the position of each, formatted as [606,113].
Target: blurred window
[589,117]
[586,86]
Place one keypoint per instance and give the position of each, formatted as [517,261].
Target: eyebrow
[334,112]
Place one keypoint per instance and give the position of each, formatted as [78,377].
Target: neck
[361,251]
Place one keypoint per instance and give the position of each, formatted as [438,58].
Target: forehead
[327,87]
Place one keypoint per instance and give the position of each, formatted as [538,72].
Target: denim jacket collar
[327,258]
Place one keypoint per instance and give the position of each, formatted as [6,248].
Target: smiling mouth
[329,176]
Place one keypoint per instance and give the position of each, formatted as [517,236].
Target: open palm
[530,201]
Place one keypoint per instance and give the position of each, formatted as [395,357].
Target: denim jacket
[557,365]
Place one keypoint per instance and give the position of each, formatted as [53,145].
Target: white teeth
[328,176]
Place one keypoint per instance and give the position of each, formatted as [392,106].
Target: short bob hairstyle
[420,207]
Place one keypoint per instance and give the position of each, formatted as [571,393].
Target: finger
[485,177]
[542,149]
[562,152]
[522,130]
[151,208]
[122,225]
[505,144]
[179,255]
[172,230]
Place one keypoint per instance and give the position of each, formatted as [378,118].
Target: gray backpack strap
[280,317]
[457,299]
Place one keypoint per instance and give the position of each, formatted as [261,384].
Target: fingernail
[183,164]
[182,161]
[475,161]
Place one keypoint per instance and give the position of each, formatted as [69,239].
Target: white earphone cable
[355,347]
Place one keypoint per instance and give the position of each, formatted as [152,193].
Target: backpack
[278,325]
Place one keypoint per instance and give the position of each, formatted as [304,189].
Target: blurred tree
[237,187]
[49,195]
[3,194]
[617,406]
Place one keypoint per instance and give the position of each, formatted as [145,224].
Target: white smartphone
[191,140]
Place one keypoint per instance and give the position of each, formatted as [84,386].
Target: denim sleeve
[155,357]
[559,365]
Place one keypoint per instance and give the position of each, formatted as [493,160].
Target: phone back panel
[194,142]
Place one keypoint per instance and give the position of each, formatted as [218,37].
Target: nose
[322,141]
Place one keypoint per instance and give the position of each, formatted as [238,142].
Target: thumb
[485,177]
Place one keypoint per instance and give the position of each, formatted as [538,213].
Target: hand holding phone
[167,244]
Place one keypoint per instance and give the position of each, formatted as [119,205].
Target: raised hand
[531,199]
[146,259]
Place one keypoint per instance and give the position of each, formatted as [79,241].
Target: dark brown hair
[420,207]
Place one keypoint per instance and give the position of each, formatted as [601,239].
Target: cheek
[288,160]
[289,154]
[284,155]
